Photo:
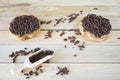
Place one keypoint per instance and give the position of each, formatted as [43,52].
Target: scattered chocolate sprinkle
[62,71]
[62,33]
[26,74]
[15,57]
[81,47]
[72,41]
[48,22]
[77,32]
[25,48]
[38,68]
[65,46]
[24,24]
[36,49]
[72,17]
[41,70]
[81,12]
[48,61]
[36,73]
[65,39]
[40,55]
[49,34]
[57,30]
[76,42]
[118,38]
[75,55]
[12,55]
[95,8]
[27,77]
[23,52]
[22,71]
[58,21]
[42,22]
[31,73]
[96,25]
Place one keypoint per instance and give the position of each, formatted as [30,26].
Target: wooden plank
[47,11]
[77,72]
[56,39]
[107,54]
[5,23]
[64,2]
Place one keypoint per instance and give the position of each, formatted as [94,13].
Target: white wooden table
[98,61]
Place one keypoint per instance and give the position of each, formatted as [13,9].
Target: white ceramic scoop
[28,63]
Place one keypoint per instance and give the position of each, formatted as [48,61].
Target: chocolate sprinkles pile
[25,24]
[62,71]
[31,73]
[40,55]
[96,25]
[23,52]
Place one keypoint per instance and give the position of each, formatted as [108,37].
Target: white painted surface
[98,61]
[77,72]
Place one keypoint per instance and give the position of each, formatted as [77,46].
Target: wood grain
[64,2]
[77,71]
[91,54]
[98,61]
[56,40]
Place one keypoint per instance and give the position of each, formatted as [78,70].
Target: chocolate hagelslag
[40,55]
[24,24]
[96,25]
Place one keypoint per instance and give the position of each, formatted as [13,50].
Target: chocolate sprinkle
[65,46]
[81,47]
[62,71]
[72,17]
[118,38]
[81,12]
[40,55]
[77,32]
[95,8]
[49,34]
[58,21]
[75,55]
[23,52]
[65,39]
[31,73]
[24,24]
[96,25]
[62,33]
